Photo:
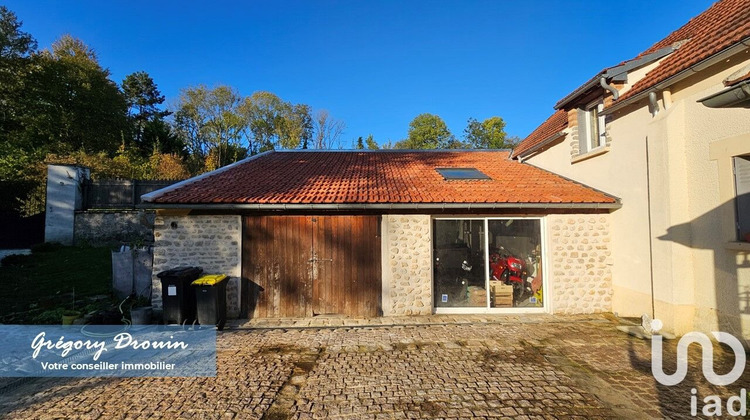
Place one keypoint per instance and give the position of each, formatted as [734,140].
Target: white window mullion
[601,126]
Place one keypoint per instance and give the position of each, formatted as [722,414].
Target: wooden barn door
[276,251]
[300,266]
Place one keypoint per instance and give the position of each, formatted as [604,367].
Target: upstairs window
[591,133]
[742,195]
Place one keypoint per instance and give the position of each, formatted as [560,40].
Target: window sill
[588,155]
[738,246]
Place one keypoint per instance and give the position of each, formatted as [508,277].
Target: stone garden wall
[581,263]
[114,227]
[211,242]
[407,265]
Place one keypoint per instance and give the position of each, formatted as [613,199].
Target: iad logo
[735,405]
[708,358]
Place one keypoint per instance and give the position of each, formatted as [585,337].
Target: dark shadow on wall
[705,232]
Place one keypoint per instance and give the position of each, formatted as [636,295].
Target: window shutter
[583,132]
[742,187]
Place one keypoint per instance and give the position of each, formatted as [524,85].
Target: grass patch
[46,278]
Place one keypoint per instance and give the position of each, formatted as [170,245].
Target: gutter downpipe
[650,235]
[654,103]
[603,83]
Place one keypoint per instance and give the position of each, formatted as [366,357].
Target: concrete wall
[407,264]
[580,263]
[108,227]
[211,242]
[64,197]
[700,280]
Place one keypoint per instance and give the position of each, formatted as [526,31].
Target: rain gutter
[684,74]
[382,206]
[617,74]
[735,96]
[538,146]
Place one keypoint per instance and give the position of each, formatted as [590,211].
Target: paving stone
[426,367]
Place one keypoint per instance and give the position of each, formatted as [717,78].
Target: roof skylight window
[461,173]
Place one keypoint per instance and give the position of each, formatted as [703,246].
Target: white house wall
[620,172]
[699,278]
[722,301]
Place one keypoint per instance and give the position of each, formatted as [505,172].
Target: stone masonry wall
[407,265]
[211,242]
[114,227]
[580,261]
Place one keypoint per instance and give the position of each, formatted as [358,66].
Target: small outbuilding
[370,233]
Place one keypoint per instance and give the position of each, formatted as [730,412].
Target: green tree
[274,123]
[427,131]
[14,43]
[75,106]
[209,120]
[359,144]
[159,136]
[143,98]
[264,113]
[296,126]
[371,144]
[16,50]
[488,134]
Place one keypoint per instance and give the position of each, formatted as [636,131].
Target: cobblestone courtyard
[450,367]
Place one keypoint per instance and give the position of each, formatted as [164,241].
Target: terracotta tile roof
[326,177]
[556,123]
[724,24]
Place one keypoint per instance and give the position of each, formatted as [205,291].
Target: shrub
[16,260]
[51,317]
[45,247]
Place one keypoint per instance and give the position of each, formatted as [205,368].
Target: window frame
[547,304]
[588,141]
[742,226]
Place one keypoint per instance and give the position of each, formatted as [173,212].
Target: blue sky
[374,65]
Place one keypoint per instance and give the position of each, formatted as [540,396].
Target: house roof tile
[555,124]
[724,24]
[361,177]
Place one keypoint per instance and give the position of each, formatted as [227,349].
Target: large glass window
[487,263]
[459,264]
[515,263]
